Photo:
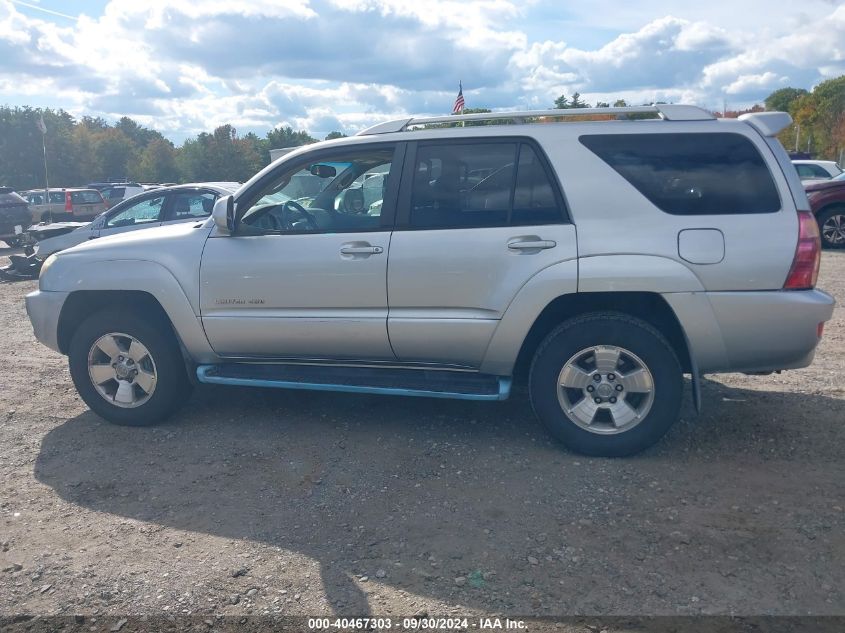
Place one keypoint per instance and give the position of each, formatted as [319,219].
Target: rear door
[477,219]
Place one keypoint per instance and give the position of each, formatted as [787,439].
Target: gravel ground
[298,503]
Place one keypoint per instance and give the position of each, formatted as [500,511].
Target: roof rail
[668,112]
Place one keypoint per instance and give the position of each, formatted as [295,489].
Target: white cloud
[184,66]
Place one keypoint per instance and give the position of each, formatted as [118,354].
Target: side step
[431,383]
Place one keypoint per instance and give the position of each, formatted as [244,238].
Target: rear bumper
[44,308]
[752,331]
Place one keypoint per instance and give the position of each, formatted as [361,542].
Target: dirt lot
[262,501]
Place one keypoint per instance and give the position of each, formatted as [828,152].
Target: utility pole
[797,135]
[43,129]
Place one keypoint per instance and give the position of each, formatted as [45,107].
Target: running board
[428,383]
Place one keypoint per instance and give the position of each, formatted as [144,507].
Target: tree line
[91,149]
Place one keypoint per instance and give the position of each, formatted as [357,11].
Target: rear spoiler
[767,123]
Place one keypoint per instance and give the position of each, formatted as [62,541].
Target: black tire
[172,386]
[612,329]
[827,215]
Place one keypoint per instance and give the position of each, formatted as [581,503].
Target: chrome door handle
[533,245]
[361,250]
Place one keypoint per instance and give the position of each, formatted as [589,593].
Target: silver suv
[595,261]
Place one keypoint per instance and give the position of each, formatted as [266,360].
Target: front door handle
[361,250]
[531,245]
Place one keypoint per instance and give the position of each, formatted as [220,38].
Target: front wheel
[606,384]
[832,227]
[128,369]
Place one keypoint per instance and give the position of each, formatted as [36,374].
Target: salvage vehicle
[827,201]
[157,207]
[597,262]
[68,205]
[14,217]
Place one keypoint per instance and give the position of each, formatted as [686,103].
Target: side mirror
[224,214]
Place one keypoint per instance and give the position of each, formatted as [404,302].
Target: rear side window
[85,197]
[691,174]
[462,185]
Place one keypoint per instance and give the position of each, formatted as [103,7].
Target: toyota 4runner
[597,261]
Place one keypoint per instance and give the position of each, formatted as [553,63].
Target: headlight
[47,263]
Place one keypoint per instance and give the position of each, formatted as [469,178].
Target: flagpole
[43,130]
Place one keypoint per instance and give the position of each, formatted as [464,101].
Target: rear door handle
[361,250]
[531,245]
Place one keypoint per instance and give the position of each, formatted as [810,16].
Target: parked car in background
[65,204]
[827,200]
[816,169]
[117,193]
[14,217]
[171,205]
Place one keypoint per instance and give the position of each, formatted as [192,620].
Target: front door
[304,275]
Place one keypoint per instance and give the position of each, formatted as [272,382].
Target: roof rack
[668,112]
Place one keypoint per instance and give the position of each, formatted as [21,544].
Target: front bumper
[44,309]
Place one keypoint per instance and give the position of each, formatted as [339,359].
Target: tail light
[68,202]
[805,265]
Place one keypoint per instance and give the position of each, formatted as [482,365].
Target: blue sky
[184,66]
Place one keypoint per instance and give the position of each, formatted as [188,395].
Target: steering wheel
[293,206]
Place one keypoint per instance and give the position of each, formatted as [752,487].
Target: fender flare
[143,276]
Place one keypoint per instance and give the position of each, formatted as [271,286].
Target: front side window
[481,185]
[191,204]
[143,212]
[340,193]
[691,174]
[57,197]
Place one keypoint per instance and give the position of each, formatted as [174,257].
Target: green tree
[280,137]
[576,102]
[334,135]
[620,103]
[783,99]
[561,103]
[156,163]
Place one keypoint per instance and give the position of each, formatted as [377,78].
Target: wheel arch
[81,304]
[650,307]
[143,284]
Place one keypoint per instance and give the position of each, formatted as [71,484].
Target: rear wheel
[128,369]
[832,227]
[606,384]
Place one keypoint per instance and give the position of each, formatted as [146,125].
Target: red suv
[827,200]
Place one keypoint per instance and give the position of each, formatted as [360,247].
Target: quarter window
[691,174]
[480,185]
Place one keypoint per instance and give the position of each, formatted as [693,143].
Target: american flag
[459,100]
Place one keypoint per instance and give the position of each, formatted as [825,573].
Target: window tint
[57,197]
[340,193]
[144,212]
[691,174]
[85,197]
[481,184]
[191,204]
[534,199]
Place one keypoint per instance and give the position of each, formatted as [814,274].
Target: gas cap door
[701,246]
